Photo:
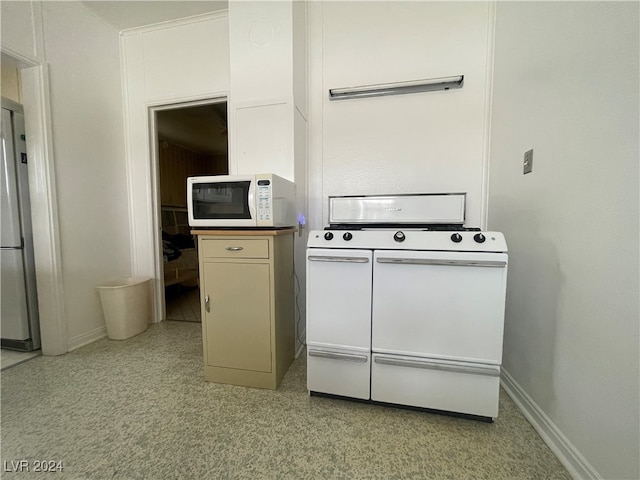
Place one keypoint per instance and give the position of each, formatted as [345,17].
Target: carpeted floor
[140,409]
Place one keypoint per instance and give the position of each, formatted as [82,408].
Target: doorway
[190,139]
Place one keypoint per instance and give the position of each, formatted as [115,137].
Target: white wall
[260,39]
[88,126]
[268,105]
[165,64]
[22,29]
[428,142]
[261,110]
[72,99]
[566,84]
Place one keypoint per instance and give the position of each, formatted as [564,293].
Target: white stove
[407,315]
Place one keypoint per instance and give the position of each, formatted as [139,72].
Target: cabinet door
[238,320]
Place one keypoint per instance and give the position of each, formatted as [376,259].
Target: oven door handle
[349,357]
[447,263]
[319,258]
[491,371]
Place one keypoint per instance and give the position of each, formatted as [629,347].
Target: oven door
[447,305]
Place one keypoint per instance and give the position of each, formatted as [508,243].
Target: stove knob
[347,236]
[479,238]
[328,236]
[399,237]
[456,237]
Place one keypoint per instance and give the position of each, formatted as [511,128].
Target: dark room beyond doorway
[191,140]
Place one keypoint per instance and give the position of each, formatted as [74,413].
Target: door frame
[156,201]
[36,102]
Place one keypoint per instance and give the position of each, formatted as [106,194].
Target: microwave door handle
[251,199]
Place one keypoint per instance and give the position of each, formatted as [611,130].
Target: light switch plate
[528,161]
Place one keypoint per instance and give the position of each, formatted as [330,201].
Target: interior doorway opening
[190,139]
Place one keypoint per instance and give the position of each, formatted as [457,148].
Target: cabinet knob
[207,307]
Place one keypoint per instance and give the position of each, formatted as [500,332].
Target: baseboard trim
[87,338]
[577,466]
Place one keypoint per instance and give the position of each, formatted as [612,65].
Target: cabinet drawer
[338,372]
[430,383]
[231,248]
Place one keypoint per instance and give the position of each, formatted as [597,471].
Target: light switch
[528,161]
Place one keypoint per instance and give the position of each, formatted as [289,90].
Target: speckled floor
[140,409]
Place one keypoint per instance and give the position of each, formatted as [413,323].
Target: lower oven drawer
[338,372]
[461,387]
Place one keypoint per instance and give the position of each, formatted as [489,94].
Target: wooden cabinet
[247,303]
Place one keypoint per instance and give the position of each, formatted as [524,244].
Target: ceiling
[122,15]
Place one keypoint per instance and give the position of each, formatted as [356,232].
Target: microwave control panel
[263,192]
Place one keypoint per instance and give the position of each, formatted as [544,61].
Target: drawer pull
[349,357]
[446,263]
[491,371]
[207,306]
[234,249]
[318,258]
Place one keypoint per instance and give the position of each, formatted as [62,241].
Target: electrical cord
[298,313]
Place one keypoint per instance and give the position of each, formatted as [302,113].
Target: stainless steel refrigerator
[19,326]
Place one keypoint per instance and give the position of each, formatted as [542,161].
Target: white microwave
[260,200]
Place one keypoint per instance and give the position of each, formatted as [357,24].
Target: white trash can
[126,306]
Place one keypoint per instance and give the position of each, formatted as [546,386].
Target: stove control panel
[462,241]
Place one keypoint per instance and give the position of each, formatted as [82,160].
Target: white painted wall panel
[21,29]
[186,60]
[139,171]
[264,135]
[88,125]
[427,142]
[566,83]
[260,40]
[300,45]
